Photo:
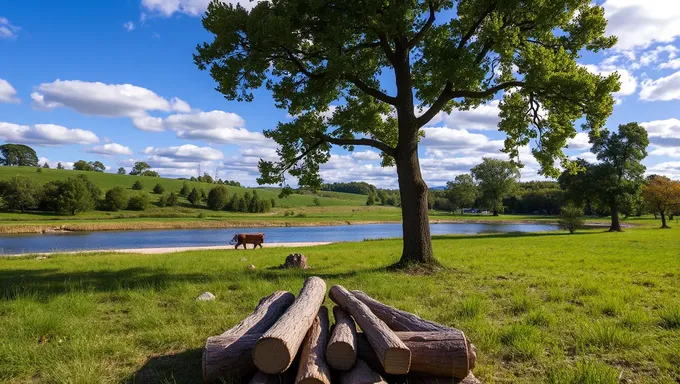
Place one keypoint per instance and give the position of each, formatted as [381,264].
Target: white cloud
[639,23]
[188,7]
[7,30]
[45,134]
[445,142]
[366,155]
[129,26]
[587,156]
[96,98]
[580,141]
[179,105]
[606,68]
[670,64]
[111,149]
[214,126]
[7,92]
[664,137]
[148,123]
[668,127]
[670,169]
[186,152]
[663,89]
[53,164]
[483,118]
[652,56]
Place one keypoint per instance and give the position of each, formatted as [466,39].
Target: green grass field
[593,307]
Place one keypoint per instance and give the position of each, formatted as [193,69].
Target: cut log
[313,368]
[265,378]
[361,373]
[216,360]
[443,354]
[229,356]
[403,321]
[277,348]
[393,354]
[342,346]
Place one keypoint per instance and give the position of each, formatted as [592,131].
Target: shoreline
[166,250]
[99,226]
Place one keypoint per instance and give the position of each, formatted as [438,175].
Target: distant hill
[106,181]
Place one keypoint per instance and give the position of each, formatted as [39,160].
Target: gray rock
[251,267]
[206,296]
[295,260]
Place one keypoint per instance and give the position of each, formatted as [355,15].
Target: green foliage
[184,192]
[19,155]
[46,166]
[121,171]
[141,168]
[218,197]
[20,193]
[206,178]
[116,199]
[496,179]
[370,200]
[194,197]
[91,166]
[358,187]
[536,197]
[158,189]
[72,195]
[137,185]
[571,218]
[38,170]
[316,202]
[170,200]
[60,166]
[139,202]
[462,192]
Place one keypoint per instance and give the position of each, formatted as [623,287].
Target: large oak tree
[389,67]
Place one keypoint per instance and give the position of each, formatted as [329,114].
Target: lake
[76,241]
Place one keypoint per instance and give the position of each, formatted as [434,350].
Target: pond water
[76,241]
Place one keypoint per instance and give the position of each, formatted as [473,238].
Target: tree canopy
[497,180]
[19,155]
[662,196]
[462,192]
[374,72]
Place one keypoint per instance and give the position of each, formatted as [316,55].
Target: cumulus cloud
[483,118]
[129,26]
[111,149]
[640,23]
[670,169]
[186,152]
[366,155]
[7,30]
[7,92]
[628,81]
[580,141]
[99,99]
[188,7]
[668,127]
[662,89]
[670,64]
[45,134]
[53,164]
[653,56]
[664,137]
[445,142]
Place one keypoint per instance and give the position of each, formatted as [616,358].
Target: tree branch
[466,38]
[428,24]
[365,141]
[449,94]
[376,93]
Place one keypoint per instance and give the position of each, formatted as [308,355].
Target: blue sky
[114,80]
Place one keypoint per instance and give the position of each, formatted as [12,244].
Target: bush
[20,193]
[116,199]
[571,218]
[158,189]
[140,202]
[184,192]
[218,197]
[172,200]
[194,197]
[70,196]
[273,202]
[317,202]
[137,185]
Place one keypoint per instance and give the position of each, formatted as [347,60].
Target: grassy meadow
[594,307]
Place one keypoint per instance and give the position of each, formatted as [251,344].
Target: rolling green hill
[106,181]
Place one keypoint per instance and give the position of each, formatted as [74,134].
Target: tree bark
[229,356]
[267,312]
[663,221]
[415,220]
[443,354]
[495,212]
[616,225]
[342,347]
[361,373]
[313,367]
[392,353]
[277,348]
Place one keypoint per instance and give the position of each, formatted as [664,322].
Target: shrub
[139,202]
[137,185]
[70,196]
[116,199]
[273,202]
[38,170]
[317,202]
[218,197]
[172,200]
[571,218]
[21,193]
[158,189]
[184,192]
[204,196]
[194,197]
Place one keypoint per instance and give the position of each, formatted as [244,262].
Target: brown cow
[248,238]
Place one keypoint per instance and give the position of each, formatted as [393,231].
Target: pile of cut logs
[288,340]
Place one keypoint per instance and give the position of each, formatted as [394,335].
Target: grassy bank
[551,308]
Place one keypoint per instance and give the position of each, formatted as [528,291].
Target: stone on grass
[295,260]
[206,296]
[251,266]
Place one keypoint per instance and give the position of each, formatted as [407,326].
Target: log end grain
[271,355]
[397,361]
[341,355]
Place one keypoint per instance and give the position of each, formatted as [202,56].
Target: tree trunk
[313,367]
[663,221]
[415,221]
[495,212]
[616,225]
[342,346]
